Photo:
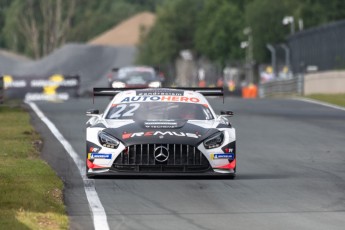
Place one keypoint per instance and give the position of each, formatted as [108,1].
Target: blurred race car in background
[160,132]
[135,77]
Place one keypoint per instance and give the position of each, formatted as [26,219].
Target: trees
[173,31]
[94,17]
[36,27]
[212,28]
[4,5]
[265,18]
[318,12]
[209,28]
[215,28]
[219,31]
[39,25]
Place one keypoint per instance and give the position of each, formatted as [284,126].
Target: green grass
[336,99]
[30,191]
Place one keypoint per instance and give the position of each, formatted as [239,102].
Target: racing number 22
[128,113]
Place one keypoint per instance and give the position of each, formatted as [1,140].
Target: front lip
[137,175]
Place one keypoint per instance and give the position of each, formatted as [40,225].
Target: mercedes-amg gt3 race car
[135,76]
[160,131]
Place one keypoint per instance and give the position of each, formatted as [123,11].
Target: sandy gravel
[127,32]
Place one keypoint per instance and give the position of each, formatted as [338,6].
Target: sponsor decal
[94,149]
[98,156]
[159,93]
[47,97]
[215,156]
[161,98]
[54,81]
[160,124]
[33,88]
[10,83]
[228,150]
[51,85]
[160,134]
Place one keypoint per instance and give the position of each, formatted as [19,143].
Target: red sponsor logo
[161,98]
[93,149]
[160,134]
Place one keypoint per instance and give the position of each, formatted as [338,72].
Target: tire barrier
[36,88]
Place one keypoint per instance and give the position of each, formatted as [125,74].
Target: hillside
[127,33]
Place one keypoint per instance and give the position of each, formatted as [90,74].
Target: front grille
[141,158]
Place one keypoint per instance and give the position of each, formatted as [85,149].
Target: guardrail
[282,87]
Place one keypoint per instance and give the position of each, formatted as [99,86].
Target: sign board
[33,88]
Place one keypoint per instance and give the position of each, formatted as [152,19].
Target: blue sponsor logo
[100,156]
[224,156]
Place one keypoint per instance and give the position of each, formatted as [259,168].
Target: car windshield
[130,74]
[160,111]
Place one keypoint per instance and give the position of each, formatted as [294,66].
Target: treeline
[37,27]
[210,28]
[214,28]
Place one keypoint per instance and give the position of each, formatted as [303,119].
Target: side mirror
[227,113]
[115,69]
[92,112]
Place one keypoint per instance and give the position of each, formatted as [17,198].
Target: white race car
[160,131]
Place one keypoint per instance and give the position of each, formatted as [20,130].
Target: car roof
[159,95]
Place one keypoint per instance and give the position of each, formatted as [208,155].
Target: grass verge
[336,99]
[30,191]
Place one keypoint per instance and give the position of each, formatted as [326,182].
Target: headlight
[107,140]
[118,84]
[214,141]
[155,84]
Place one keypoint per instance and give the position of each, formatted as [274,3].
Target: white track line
[98,213]
[320,103]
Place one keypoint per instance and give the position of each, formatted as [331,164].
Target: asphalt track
[90,62]
[291,173]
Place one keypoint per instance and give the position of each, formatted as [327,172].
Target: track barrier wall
[320,49]
[324,82]
[329,82]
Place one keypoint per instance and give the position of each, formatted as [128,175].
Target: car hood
[162,132]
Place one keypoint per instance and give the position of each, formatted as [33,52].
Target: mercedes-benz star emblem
[161,154]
